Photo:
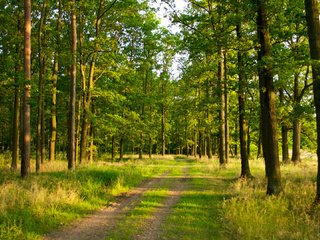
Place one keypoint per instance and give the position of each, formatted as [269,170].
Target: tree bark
[26,133]
[42,69]
[73,80]
[17,102]
[222,125]
[121,148]
[112,148]
[87,100]
[312,16]
[52,149]
[163,131]
[226,105]
[296,141]
[268,103]
[243,128]
[284,134]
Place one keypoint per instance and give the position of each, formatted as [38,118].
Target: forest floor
[171,197]
[164,207]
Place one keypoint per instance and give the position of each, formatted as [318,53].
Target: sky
[165,21]
[162,13]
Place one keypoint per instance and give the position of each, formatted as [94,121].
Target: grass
[214,205]
[253,215]
[42,203]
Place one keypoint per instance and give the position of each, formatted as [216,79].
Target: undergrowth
[251,214]
[41,203]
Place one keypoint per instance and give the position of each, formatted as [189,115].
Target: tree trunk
[194,150]
[260,151]
[17,103]
[284,134]
[268,104]
[312,13]
[296,140]
[150,148]
[42,69]
[200,145]
[72,106]
[121,148]
[112,148]
[52,150]
[243,128]
[163,131]
[222,132]
[26,133]
[87,100]
[226,105]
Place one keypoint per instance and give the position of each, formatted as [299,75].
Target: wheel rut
[97,225]
[151,229]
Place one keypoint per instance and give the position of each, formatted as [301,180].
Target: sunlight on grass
[31,207]
[253,215]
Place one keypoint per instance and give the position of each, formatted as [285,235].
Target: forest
[97,97]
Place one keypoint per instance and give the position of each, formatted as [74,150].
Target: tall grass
[253,215]
[32,207]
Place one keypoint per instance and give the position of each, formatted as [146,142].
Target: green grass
[133,222]
[39,204]
[253,215]
[214,205]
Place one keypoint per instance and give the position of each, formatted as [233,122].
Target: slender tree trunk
[121,148]
[268,104]
[17,103]
[87,100]
[163,131]
[284,134]
[194,151]
[72,112]
[312,13]
[26,133]
[296,137]
[112,148]
[222,132]
[150,148]
[226,105]
[296,140]
[248,140]
[78,123]
[91,146]
[52,150]
[42,70]
[260,151]
[200,145]
[243,128]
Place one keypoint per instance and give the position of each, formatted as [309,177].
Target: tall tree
[312,16]
[268,103]
[243,128]
[52,149]
[73,80]
[42,70]
[26,133]
[17,102]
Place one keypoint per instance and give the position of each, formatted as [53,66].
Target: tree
[312,16]
[268,103]
[42,71]
[73,79]
[52,149]
[26,132]
[17,102]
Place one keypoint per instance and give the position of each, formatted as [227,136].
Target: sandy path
[151,229]
[96,226]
